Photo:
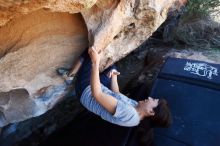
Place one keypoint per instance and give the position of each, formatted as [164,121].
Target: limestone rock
[37,36]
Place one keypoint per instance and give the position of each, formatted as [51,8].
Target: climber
[100,94]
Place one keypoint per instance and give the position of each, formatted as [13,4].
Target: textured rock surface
[126,27]
[32,47]
[10,9]
[35,39]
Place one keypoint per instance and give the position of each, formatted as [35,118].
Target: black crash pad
[192,89]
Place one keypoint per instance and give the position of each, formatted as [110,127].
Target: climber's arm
[114,81]
[107,101]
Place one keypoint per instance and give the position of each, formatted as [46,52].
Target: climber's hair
[162,116]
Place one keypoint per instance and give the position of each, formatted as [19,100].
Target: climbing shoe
[65,74]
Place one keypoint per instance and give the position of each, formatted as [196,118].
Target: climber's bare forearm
[75,68]
[95,81]
[107,101]
[114,84]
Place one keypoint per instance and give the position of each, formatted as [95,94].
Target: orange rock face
[37,36]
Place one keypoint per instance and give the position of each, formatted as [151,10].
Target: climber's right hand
[94,55]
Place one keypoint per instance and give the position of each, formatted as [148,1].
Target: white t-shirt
[125,115]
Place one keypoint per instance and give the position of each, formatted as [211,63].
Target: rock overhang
[36,37]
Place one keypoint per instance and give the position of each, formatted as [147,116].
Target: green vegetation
[197,9]
[196,27]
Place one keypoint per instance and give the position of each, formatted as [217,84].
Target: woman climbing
[100,94]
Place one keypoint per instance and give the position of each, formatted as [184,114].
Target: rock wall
[32,47]
[37,36]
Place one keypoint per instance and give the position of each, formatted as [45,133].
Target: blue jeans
[84,74]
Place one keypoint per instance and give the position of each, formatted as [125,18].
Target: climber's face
[148,106]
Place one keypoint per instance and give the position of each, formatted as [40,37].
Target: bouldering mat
[192,89]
